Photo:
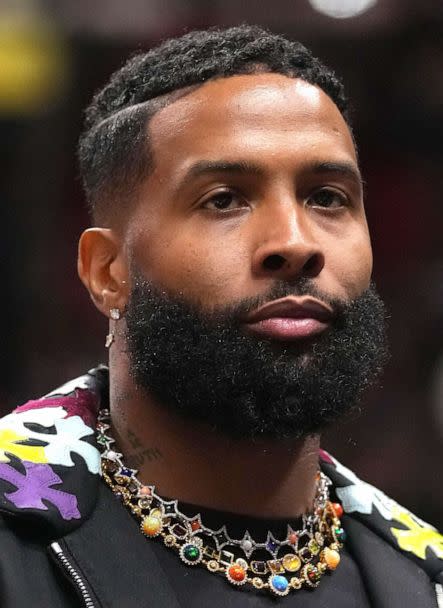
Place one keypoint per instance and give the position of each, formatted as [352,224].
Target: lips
[288,319]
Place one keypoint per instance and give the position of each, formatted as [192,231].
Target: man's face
[255,196]
[255,181]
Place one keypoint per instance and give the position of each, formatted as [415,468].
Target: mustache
[234,312]
[282,289]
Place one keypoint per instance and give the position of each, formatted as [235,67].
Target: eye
[327,198]
[225,200]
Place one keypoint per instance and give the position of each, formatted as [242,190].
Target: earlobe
[102,268]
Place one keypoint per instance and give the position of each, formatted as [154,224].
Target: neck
[188,461]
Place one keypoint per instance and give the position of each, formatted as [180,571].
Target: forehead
[250,114]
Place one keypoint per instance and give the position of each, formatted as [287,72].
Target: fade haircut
[114,150]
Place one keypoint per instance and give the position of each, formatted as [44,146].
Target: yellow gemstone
[291,562]
[155,513]
[151,526]
[331,558]
[170,540]
[295,582]
[212,565]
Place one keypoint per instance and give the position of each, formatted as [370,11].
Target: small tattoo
[137,459]
[123,397]
[134,440]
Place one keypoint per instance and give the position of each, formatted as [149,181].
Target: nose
[288,248]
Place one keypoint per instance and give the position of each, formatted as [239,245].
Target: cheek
[207,271]
[352,264]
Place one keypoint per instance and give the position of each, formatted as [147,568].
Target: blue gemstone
[279,582]
[271,546]
[126,472]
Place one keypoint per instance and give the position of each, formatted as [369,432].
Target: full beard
[207,369]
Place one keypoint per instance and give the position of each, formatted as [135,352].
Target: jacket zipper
[75,576]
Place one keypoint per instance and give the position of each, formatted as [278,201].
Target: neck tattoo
[299,560]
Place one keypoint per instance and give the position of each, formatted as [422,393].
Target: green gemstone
[101,440]
[191,552]
[340,534]
[313,547]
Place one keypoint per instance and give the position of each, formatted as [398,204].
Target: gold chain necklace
[299,560]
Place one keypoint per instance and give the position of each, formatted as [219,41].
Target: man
[231,254]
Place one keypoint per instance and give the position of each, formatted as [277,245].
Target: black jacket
[66,541]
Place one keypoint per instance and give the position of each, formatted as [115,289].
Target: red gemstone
[292,538]
[312,574]
[195,526]
[338,509]
[237,573]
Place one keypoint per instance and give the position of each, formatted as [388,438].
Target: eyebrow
[346,169]
[208,167]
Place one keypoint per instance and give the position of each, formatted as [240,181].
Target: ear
[103,269]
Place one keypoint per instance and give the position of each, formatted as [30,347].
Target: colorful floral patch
[67,439]
[40,434]
[34,486]
[418,535]
[81,403]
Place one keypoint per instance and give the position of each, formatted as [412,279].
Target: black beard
[207,369]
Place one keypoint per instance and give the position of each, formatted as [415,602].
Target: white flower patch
[45,416]
[67,439]
[361,496]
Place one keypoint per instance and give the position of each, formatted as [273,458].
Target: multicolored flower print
[37,436]
[411,534]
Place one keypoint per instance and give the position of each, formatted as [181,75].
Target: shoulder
[49,462]
[394,524]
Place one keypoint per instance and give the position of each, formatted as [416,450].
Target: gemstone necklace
[299,560]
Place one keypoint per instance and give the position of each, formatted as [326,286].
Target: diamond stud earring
[115,316]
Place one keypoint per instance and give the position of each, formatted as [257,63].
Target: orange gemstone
[338,509]
[145,491]
[151,526]
[237,573]
[331,558]
[195,526]
[292,538]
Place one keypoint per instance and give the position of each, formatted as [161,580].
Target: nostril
[311,264]
[273,262]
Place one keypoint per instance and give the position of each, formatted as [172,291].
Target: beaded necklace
[299,560]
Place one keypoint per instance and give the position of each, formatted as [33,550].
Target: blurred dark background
[55,54]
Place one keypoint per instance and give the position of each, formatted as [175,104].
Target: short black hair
[114,152]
